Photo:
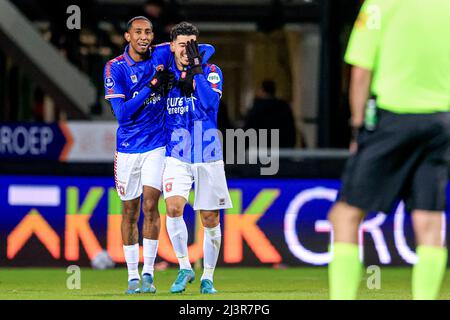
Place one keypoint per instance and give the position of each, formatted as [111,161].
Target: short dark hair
[183,29]
[269,87]
[130,22]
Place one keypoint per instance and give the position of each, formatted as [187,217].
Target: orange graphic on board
[243,226]
[33,224]
[69,141]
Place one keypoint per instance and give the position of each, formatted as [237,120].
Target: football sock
[428,272]
[177,230]
[211,248]
[149,253]
[132,259]
[344,272]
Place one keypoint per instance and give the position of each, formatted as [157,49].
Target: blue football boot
[184,276]
[206,286]
[133,287]
[147,284]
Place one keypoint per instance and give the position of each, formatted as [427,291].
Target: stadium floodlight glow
[290,230]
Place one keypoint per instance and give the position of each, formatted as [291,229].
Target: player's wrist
[355,124]
[354,133]
[355,128]
[196,70]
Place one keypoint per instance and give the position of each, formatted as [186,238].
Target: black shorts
[405,158]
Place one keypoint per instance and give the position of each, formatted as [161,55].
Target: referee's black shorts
[405,158]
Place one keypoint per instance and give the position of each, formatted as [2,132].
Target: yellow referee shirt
[406,44]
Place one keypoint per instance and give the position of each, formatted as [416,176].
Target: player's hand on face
[194,56]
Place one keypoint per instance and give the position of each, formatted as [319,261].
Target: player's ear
[127,36]
[172,46]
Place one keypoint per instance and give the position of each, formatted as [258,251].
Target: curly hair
[183,29]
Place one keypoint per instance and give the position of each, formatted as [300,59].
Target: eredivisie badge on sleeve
[214,77]
[109,83]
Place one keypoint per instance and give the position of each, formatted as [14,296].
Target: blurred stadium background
[58,205]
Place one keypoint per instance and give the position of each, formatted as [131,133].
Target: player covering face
[194,155]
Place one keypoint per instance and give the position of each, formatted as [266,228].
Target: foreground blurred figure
[400,52]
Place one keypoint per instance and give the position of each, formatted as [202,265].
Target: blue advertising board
[32,141]
[58,220]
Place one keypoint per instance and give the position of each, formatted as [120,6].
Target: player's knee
[343,213]
[130,215]
[210,219]
[334,213]
[150,208]
[174,209]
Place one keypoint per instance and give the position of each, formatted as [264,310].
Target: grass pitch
[232,283]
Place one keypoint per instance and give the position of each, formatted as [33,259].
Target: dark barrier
[60,220]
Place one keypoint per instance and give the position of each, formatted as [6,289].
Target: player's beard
[143,52]
[140,51]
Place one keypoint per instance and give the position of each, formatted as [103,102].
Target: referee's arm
[360,81]
[361,53]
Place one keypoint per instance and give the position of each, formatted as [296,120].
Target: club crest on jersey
[109,83]
[214,78]
[133,78]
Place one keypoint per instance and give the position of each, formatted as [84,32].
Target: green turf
[232,283]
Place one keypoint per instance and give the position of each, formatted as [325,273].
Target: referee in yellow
[400,53]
